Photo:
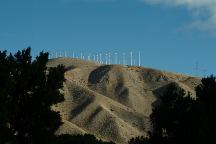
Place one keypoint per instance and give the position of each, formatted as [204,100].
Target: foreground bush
[79,139]
[139,140]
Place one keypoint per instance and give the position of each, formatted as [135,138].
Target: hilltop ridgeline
[113,102]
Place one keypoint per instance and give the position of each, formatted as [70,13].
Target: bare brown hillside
[113,102]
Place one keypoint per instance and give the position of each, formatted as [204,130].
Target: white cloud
[204,11]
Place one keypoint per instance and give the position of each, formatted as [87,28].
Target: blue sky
[171,35]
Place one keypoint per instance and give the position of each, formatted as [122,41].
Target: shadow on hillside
[122,92]
[97,75]
[83,104]
[163,90]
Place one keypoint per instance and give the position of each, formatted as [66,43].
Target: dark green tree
[6,86]
[206,98]
[27,92]
[181,119]
[172,119]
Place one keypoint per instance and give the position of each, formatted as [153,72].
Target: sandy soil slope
[113,102]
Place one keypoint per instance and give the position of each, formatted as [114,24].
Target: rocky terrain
[113,102]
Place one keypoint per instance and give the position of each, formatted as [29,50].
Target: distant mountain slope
[112,102]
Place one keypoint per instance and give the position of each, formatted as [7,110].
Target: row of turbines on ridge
[108,58]
[104,58]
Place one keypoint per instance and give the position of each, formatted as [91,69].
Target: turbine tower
[106,58]
[197,68]
[88,58]
[50,55]
[139,59]
[56,54]
[131,56]
[123,60]
[100,57]
[109,58]
[73,55]
[65,53]
[116,58]
[94,57]
[97,58]
[81,55]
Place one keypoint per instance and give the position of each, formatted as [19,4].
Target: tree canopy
[179,118]
[27,91]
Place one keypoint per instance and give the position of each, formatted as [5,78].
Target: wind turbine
[116,58]
[204,72]
[100,55]
[56,54]
[197,68]
[94,57]
[106,58]
[109,58]
[89,57]
[73,55]
[139,59]
[81,55]
[65,53]
[123,59]
[97,57]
